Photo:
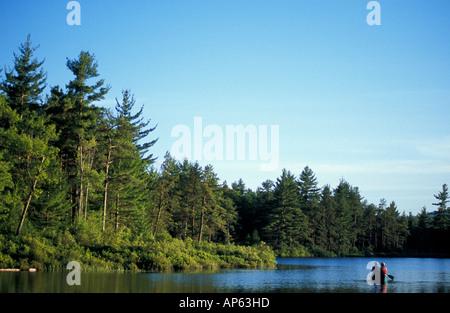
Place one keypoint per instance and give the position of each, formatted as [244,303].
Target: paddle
[390,276]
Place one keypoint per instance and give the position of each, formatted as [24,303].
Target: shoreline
[31,270]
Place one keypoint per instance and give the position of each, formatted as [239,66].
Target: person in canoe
[383,274]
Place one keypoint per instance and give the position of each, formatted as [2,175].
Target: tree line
[298,218]
[67,164]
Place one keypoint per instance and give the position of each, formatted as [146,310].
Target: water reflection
[290,276]
[295,267]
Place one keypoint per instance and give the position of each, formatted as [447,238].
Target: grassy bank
[117,251]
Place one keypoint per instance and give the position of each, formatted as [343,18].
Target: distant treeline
[297,218]
[78,180]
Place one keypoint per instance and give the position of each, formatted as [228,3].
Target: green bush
[6,261]
[298,251]
[118,250]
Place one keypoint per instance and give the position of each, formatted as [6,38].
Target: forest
[78,182]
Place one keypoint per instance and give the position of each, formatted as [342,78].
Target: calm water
[412,275]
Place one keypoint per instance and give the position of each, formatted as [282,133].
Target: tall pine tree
[76,118]
[25,82]
[441,219]
[288,224]
[127,166]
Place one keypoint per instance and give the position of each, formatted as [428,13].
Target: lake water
[292,275]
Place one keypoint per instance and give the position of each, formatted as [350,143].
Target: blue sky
[370,104]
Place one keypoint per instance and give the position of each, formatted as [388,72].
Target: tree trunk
[201,220]
[105,195]
[86,202]
[185,229]
[201,226]
[80,200]
[117,211]
[30,196]
[160,207]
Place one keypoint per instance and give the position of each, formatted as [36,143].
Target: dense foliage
[78,182]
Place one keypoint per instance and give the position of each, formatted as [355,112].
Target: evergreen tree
[392,228]
[309,203]
[369,227]
[328,205]
[126,167]
[211,213]
[58,107]
[288,225]
[356,209]
[343,217]
[421,236]
[309,192]
[231,214]
[264,202]
[441,222]
[245,202]
[190,200]
[165,196]
[423,221]
[25,83]
[76,119]
[84,116]
[441,219]
[403,232]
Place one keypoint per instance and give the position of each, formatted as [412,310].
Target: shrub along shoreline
[52,251]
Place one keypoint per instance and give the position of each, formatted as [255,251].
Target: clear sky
[370,104]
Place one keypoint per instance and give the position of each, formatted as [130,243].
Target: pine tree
[390,229]
[136,126]
[133,147]
[329,207]
[421,236]
[59,109]
[126,165]
[84,114]
[190,200]
[25,83]
[210,211]
[231,214]
[26,138]
[441,219]
[246,206]
[343,217]
[76,118]
[217,211]
[356,209]
[164,194]
[309,192]
[309,202]
[264,202]
[288,224]
[369,227]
